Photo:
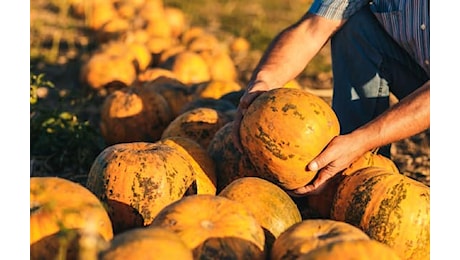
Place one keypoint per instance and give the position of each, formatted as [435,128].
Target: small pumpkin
[134,114]
[283,130]
[216,88]
[189,67]
[136,180]
[305,236]
[349,250]
[63,214]
[271,206]
[210,225]
[199,124]
[146,243]
[391,208]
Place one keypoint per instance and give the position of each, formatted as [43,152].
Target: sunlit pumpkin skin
[221,105]
[189,67]
[216,88]
[151,74]
[199,124]
[283,130]
[307,235]
[221,65]
[136,180]
[134,114]
[350,250]
[391,208]
[206,180]
[146,243]
[321,201]
[176,19]
[271,206]
[60,211]
[210,225]
[230,163]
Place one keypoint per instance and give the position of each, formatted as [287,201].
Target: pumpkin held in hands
[283,130]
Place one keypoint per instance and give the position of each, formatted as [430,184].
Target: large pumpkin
[230,163]
[136,180]
[390,208]
[307,235]
[271,206]
[214,227]
[350,250]
[146,243]
[63,214]
[321,201]
[134,114]
[283,130]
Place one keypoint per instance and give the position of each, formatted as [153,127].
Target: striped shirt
[407,21]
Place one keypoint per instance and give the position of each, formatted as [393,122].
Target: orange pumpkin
[134,114]
[189,67]
[199,124]
[230,163]
[136,180]
[321,201]
[206,181]
[211,225]
[146,243]
[216,88]
[310,234]
[283,130]
[271,206]
[390,208]
[349,250]
[63,214]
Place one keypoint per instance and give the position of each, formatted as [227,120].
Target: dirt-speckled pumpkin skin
[61,209]
[303,237]
[321,202]
[283,130]
[230,163]
[214,227]
[391,208]
[137,180]
[351,250]
[271,206]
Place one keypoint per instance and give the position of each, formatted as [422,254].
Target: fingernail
[313,166]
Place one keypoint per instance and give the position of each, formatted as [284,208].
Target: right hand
[253,90]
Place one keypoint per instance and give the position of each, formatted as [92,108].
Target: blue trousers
[367,65]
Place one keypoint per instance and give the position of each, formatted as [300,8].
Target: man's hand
[338,155]
[252,92]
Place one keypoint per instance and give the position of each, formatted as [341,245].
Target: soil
[411,155]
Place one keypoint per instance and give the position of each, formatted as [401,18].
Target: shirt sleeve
[336,9]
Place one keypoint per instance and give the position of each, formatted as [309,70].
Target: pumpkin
[391,208]
[64,214]
[151,74]
[176,93]
[203,43]
[146,243]
[271,206]
[191,33]
[307,235]
[230,163]
[158,27]
[214,225]
[112,29]
[221,66]
[216,88]
[136,180]
[134,114]
[189,67]
[217,104]
[321,201]
[176,19]
[350,250]
[199,124]
[97,13]
[102,69]
[151,10]
[239,45]
[206,180]
[283,130]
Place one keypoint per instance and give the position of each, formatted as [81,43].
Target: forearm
[410,116]
[293,49]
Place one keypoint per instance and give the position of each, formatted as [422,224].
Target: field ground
[59,48]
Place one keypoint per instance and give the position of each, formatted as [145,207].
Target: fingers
[317,184]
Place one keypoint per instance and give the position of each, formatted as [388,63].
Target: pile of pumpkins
[172,185]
